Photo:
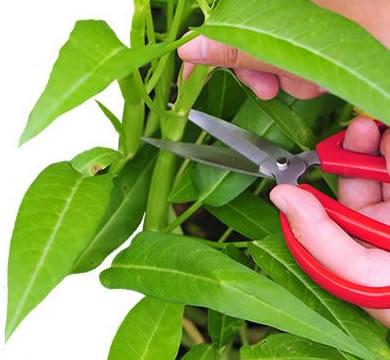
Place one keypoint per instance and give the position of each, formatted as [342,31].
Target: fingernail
[195,50]
[279,201]
[322,90]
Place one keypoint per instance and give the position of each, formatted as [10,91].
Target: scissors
[248,153]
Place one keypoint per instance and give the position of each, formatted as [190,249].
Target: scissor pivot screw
[282,163]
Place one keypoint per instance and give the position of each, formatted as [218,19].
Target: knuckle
[231,56]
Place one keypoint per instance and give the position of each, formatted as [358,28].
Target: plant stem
[186,162]
[172,34]
[262,184]
[164,171]
[204,6]
[225,235]
[244,334]
[140,87]
[150,33]
[132,86]
[170,7]
[133,115]
[183,217]
[192,331]
[161,95]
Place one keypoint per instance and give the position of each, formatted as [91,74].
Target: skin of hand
[265,80]
[323,238]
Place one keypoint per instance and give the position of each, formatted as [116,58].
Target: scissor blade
[244,142]
[217,156]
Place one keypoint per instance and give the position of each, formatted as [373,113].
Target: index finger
[361,136]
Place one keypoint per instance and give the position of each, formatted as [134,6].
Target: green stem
[170,8]
[140,88]
[262,184]
[183,217]
[157,207]
[150,33]
[244,334]
[132,90]
[133,115]
[204,6]
[186,162]
[164,171]
[192,331]
[161,95]
[225,235]
[172,34]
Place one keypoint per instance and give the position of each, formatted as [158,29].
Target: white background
[79,318]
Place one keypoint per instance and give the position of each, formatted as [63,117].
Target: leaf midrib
[206,353]
[45,253]
[245,216]
[341,324]
[94,160]
[309,50]
[110,220]
[148,343]
[218,283]
[67,94]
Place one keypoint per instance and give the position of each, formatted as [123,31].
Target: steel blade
[248,144]
[221,157]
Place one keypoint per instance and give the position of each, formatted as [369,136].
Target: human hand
[324,239]
[265,80]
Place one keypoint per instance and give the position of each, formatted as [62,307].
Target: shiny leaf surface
[201,352]
[289,347]
[91,59]
[151,330]
[311,42]
[59,215]
[124,213]
[249,215]
[219,283]
[92,161]
[273,257]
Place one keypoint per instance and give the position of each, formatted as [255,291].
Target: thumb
[322,237]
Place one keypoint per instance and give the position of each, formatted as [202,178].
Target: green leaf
[91,59]
[222,328]
[289,347]
[184,189]
[115,122]
[217,186]
[255,118]
[57,218]
[311,42]
[151,330]
[249,215]
[222,96]
[92,161]
[289,122]
[195,274]
[273,257]
[125,211]
[318,113]
[201,352]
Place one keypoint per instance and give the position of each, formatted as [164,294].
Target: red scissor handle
[357,225]
[335,160]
